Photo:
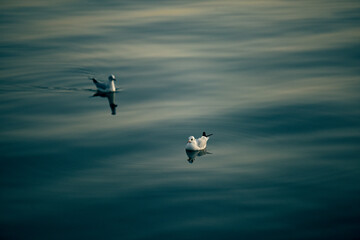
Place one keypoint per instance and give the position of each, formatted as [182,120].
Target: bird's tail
[94,80]
[204,134]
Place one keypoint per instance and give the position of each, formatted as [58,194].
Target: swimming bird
[197,144]
[106,87]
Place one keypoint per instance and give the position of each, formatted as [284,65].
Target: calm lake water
[276,82]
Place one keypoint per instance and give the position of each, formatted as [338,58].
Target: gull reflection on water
[111,98]
[193,154]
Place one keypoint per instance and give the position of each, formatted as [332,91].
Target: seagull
[197,144]
[106,87]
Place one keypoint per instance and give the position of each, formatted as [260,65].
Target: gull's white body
[196,144]
[106,87]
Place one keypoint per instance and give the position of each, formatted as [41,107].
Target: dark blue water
[276,82]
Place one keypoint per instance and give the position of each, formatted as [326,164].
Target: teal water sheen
[276,82]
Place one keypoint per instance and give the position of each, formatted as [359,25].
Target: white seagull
[106,87]
[197,144]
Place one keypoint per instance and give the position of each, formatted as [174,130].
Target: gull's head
[112,78]
[191,139]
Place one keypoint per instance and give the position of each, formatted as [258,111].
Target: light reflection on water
[192,155]
[277,83]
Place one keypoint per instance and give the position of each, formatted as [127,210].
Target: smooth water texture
[276,82]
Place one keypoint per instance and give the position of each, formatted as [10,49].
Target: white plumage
[197,144]
[106,87]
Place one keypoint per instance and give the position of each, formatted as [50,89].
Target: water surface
[276,82]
